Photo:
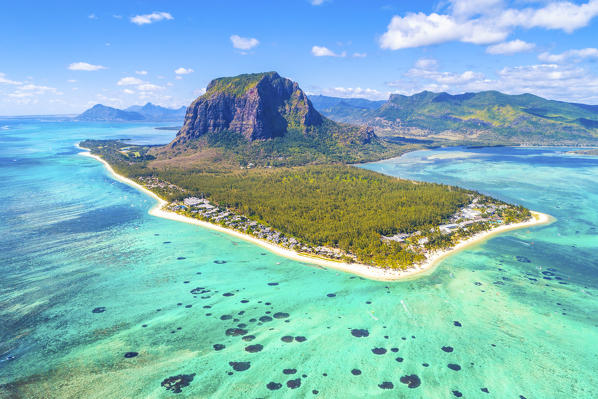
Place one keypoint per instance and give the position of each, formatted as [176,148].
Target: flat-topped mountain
[265,119]
[485,117]
[257,106]
[147,113]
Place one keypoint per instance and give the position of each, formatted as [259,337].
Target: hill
[148,113]
[348,110]
[265,120]
[484,117]
[102,113]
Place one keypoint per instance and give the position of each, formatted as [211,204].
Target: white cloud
[84,66]
[151,18]
[183,71]
[128,91]
[8,81]
[244,43]
[354,92]
[576,54]
[92,16]
[553,81]
[483,22]
[178,77]
[512,47]
[142,72]
[426,63]
[129,81]
[360,55]
[72,80]
[321,51]
[149,87]
[317,2]
[117,16]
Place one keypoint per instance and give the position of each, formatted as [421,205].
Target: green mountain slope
[487,117]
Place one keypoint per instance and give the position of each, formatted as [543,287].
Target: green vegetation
[237,85]
[484,117]
[323,205]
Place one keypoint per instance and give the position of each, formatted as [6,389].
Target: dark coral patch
[379,351]
[219,347]
[356,372]
[280,315]
[248,338]
[447,349]
[523,259]
[99,309]
[456,324]
[233,332]
[289,371]
[228,294]
[453,366]
[219,262]
[254,348]
[273,386]
[399,359]
[240,366]
[181,258]
[293,384]
[485,390]
[394,350]
[287,338]
[330,295]
[272,284]
[412,381]
[359,333]
[177,382]
[265,319]
[386,385]
[226,317]
[457,394]
[129,355]
[300,338]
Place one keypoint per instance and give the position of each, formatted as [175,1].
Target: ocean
[98,299]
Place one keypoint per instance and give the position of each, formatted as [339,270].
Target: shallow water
[74,240]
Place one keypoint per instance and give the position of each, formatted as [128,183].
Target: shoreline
[366,271]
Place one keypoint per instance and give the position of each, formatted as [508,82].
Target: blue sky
[64,56]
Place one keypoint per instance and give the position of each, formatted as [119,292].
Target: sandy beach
[366,271]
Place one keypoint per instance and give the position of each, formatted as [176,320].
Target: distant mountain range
[486,117]
[146,113]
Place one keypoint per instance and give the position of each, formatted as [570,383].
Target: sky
[62,57]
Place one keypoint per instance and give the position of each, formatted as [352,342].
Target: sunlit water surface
[517,316]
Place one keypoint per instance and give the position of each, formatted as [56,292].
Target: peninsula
[255,159]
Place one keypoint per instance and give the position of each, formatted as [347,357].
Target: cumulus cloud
[142,72]
[483,22]
[360,55]
[84,66]
[354,92]
[553,81]
[183,71]
[156,16]
[6,81]
[129,81]
[317,2]
[244,43]
[575,54]
[512,47]
[321,51]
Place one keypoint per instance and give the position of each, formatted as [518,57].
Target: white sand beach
[370,272]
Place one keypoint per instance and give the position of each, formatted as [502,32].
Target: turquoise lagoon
[520,311]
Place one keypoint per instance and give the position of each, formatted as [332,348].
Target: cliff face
[258,106]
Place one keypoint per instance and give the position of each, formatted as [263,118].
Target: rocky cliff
[258,106]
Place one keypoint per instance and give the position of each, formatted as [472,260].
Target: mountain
[349,110]
[485,117]
[148,113]
[157,113]
[263,118]
[102,113]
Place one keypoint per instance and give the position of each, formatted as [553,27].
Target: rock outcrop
[258,106]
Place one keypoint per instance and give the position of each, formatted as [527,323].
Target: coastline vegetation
[333,206]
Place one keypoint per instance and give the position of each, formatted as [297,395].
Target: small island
[256,160]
